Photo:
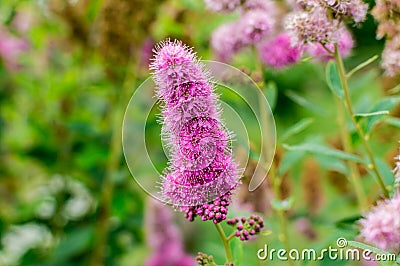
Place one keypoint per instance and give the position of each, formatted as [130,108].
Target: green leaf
[333,79]
[385,170]
[393,121]
[296,128]
[289,159]
[271,93]
[365,247]
[300,100]
[318,149]
[237,251]
[282,205]
[266,232]
[348,222]
[385,104]
[74,243]
[332,163]
[361,115]
[362,65]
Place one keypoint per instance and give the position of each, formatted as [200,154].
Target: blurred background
[67,71]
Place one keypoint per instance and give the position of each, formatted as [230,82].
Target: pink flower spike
[201,169]
[381,226]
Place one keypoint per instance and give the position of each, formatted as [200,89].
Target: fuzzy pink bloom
[381,226]
[355,9]
[254,26]
[226,41]
[311,26]
[261,5]
[164,238]
[391,57]
[279,52]
[345,44]
[202,171]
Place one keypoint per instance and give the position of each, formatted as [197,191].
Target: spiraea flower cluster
[381,226]
[318,25]
[317,21]
[386,13]
[256,23]
[247,228]
[202,173]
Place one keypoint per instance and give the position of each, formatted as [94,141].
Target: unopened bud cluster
[247,227]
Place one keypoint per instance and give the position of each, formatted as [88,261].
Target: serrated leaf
[385,104]
[296,128]
[271,93]
[324,150]
[333,79]
[282,205]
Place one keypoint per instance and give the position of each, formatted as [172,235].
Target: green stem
[284,235]
[343,79]
[355,174]
[225,241]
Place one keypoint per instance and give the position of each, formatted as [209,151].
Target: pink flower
[10,48]
[311,26]
[254,26]
[222,5]
[355,9]
[345,44]
[381,226]
[226,41]
[164,238]
[279,52]
[391,57]
[202,172]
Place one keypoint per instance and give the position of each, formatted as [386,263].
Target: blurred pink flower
[391,57]
[226,41]
[279,52]
[381,226]
[222,5]
[164,238]
[254,26]
[10,48]
[345,44]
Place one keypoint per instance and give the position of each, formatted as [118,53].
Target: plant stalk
[355,174]
[348,105]
[225,241]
